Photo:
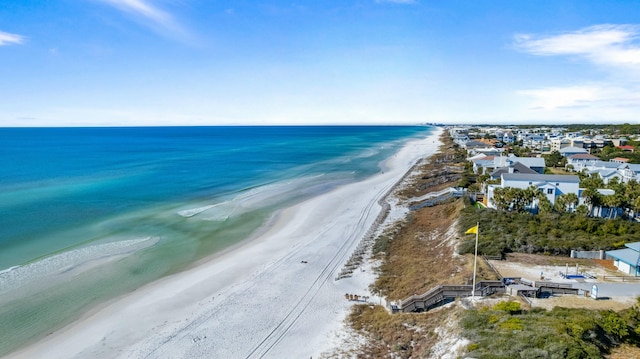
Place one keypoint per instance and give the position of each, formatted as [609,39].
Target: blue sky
[208,62]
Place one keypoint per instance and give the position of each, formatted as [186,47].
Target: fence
[624,278]
[588,254]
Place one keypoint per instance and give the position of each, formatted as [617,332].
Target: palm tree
[571,200]
[500,199]
[593,198]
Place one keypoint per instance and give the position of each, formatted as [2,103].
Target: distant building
[559,143]
[508,137]
[570,151]
[619,160]
[626,148]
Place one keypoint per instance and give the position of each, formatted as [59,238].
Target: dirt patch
[625,351]
[572,301]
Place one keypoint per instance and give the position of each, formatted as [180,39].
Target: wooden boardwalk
[443,294]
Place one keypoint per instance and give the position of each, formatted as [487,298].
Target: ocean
[87,214]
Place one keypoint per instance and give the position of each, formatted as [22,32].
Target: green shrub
[510,307]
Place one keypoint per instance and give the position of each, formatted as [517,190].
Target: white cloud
[551,98]
[8,39]
[160,20]
[612,94]
[611,45]
[142,8]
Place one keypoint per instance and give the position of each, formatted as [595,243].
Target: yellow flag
[471,230]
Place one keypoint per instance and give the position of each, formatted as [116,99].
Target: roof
[475,144]
[479,156]
[483,159]
[606,173]
[517,168]
[583,156]
[540,178]
[572,149]
[606,191]
[531,161]
[633,166]
[634,245]
[625,147]
[626,255]
[605,164]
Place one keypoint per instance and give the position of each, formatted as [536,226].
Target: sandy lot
[615,295]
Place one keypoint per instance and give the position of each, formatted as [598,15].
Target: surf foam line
[59,264]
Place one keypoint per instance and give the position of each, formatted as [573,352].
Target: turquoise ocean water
[87,214]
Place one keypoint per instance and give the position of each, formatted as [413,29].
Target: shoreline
[254,299]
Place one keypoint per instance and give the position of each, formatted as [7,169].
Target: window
[549,190]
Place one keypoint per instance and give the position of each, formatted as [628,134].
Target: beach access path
[257,300]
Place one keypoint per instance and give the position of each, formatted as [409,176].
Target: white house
[482,164]
[508,137]
[551,185]
[607,170]
[629,172]
[535,163]
[581,160]
[627,260]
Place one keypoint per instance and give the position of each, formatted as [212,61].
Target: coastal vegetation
[419,253]
[551,233]
[506,331]
[415,255]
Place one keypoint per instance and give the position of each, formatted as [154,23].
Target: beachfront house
[627,260]
[482,164]
[551,185]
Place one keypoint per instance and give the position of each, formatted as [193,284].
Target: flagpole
[475,263]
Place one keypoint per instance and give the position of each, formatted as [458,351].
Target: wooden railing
[624,278]
[441,293]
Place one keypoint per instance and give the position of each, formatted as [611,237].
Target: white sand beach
[257,300]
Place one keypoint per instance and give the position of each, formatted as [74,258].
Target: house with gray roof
[629,172]
[608,174]
[535,163]
[627,259]
[511,168]
[483,164]
[572,150]
[581,160]
[625,172]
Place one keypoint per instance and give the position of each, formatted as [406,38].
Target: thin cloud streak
[8,39]
[158,19]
